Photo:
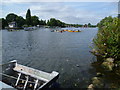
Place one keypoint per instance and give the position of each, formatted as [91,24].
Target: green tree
[3,23]
[54,22]
[11,17]
[107,42]
[42,22]
[85,25]
[35,20]
[48,22]
[28,17]
[105,21]
[20,21]
[89,24]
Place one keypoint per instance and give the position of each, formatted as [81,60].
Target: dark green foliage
[80,25]
[89,24]
[20,21]
[105,21]
[107,42]
[85,25]
[3,23]
[42,22]
[54,22]
[35,20]
[74,25]
[28,18]
[11,17]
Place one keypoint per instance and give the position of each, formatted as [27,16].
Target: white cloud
[23,14]
[67,13]
[0,13]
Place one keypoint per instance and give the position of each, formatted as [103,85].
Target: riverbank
[107,75]
[107,50]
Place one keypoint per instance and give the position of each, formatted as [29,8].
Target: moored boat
[30,28]
[25,78]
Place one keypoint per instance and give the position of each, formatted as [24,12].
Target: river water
[67,53]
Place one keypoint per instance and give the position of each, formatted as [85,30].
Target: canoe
[73,31]
[30,28]
[25,78]
[70,31]
[77,31]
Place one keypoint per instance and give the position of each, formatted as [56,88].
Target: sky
[68,12]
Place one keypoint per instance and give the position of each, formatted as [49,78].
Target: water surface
[67,52]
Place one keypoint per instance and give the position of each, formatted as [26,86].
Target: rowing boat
[25,78]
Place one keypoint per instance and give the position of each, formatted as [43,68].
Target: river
[67,53]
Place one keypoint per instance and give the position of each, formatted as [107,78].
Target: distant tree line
[81,25]
[29,21]
[54,22]
[34,21]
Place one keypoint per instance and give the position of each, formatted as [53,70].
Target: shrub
[107,41]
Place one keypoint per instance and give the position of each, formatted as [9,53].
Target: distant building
[12,24]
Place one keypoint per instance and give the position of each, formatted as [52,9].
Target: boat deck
[26,78]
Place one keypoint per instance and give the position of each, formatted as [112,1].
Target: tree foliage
[20,21]
[89,24]
[3,23]
[42,22]
[11,17]
[35,20]
[107,42]
[54,22]
[28,17]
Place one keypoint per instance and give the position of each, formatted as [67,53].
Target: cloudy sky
[68,12]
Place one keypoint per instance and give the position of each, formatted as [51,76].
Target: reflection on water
[67,53]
